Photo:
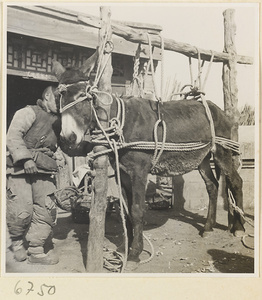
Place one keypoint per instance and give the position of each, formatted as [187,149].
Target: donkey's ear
[89,64]
[57,69]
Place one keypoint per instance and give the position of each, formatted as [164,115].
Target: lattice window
[31,54]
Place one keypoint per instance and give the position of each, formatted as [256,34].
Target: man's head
[49,97]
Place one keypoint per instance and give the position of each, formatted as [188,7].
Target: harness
[102,136]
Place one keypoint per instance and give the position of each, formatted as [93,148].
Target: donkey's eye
[82,95]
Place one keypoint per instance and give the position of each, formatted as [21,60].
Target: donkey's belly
[178,163]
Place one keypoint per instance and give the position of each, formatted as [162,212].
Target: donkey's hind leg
[234,183]
[212,189]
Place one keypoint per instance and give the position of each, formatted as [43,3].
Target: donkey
[186,122]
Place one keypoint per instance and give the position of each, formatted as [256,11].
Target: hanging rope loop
[196,91]
[157,153]
[152,67]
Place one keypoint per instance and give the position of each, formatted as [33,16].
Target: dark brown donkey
[186,122]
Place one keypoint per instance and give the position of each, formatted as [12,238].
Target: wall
[194,192]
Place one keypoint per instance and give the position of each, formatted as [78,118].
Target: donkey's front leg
[137,212]
[212,189]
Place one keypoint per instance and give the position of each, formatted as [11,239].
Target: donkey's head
[75,106]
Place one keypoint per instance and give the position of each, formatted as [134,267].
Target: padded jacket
[32,129]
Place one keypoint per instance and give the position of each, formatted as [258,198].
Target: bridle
[89,94]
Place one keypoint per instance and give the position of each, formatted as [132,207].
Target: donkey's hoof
[239,233]
[206,234]
[131,266]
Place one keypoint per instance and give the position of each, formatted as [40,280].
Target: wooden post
[99,203]
[230,89]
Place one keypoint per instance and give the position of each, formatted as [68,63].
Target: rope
[243,239]
[122,204]
[208,70]
[101,127]
[152,67]
[157,155]
[232,202]
[178,147]
[162,66]
[198,87]
[136,72]
[152,253]
[98,75]
[91,90]
[200,67]
[190,70]
[210,119]
[228,144]
[116,128]
[116,125]
[113,260]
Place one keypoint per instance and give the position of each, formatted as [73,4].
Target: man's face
[51,102]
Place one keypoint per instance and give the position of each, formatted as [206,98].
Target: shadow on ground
[226,262]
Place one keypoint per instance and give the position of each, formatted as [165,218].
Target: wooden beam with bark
[139,36]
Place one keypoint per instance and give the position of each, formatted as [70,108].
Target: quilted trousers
[30,212]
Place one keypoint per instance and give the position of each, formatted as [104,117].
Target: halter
[89,93]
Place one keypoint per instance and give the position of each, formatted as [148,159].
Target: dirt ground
[178,246]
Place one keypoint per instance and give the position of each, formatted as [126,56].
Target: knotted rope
[136,78]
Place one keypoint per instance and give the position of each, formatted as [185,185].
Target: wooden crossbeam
[137,36]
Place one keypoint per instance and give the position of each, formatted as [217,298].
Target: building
[38,34]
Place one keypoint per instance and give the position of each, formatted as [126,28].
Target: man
[31,164]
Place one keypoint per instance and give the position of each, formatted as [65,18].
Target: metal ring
[111,45]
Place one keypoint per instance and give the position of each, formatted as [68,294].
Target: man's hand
[30,167]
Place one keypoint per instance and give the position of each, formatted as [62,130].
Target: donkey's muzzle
[69,140]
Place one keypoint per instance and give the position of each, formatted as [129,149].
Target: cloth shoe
[19,250]
[49,258]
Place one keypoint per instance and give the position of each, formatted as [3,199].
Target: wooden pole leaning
[99,204]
